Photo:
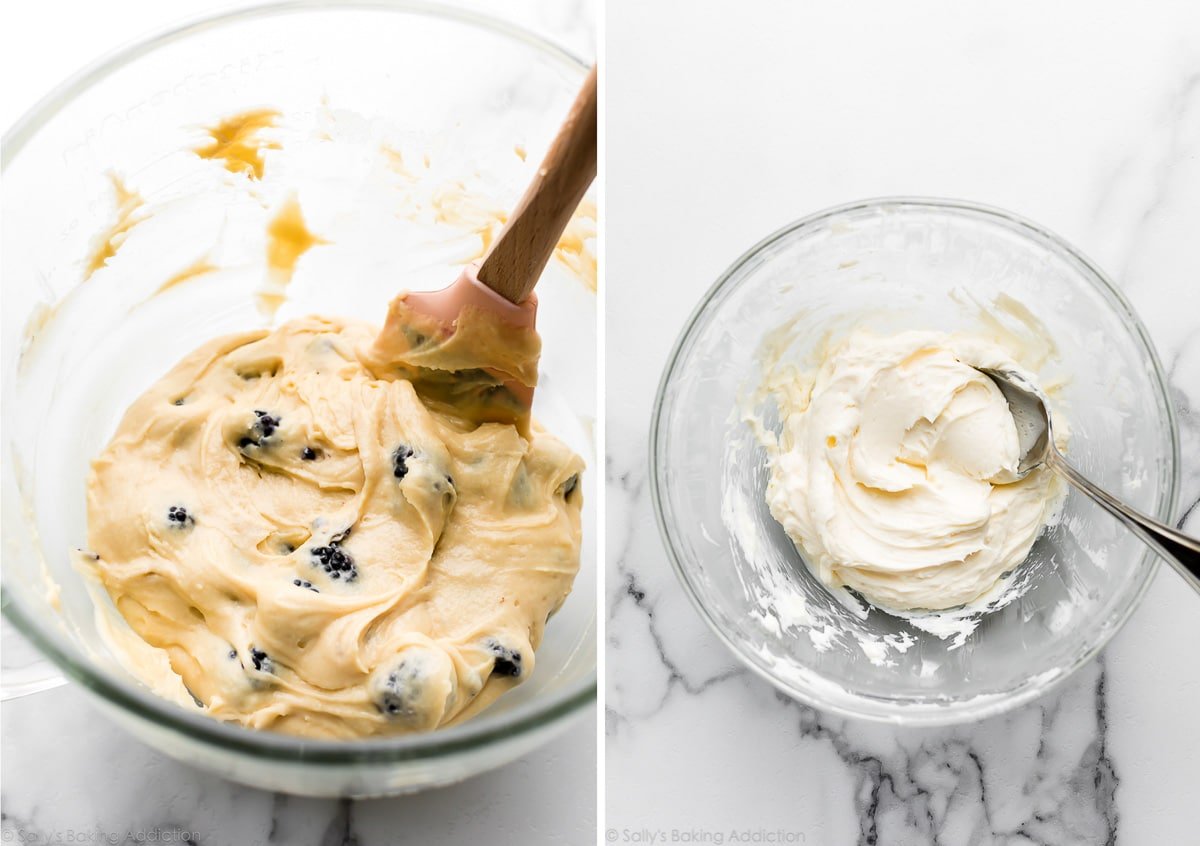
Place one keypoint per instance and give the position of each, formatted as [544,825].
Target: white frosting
[895,470]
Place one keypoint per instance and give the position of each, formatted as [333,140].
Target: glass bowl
[893,264]
[404,129]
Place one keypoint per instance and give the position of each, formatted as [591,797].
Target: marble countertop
[69,776]
[1082,116]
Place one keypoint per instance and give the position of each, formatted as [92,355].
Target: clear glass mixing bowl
[404,127]
[895,264]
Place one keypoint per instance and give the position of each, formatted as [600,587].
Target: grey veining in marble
[67,773]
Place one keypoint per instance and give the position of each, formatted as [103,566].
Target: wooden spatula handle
[521,251]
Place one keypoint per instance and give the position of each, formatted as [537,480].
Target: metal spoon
[1036,439]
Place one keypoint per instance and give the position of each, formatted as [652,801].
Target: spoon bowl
[1035,436]
[1031,416]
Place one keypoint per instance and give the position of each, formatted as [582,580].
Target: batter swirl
[318,550]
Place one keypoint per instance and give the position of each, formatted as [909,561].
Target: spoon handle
[1179,550]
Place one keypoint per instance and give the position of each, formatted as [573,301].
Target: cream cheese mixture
[895,470]
[323,530]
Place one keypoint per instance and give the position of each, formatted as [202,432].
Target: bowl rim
[44,109]
[540,713]
[874,709]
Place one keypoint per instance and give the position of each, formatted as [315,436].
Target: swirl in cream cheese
[895,471]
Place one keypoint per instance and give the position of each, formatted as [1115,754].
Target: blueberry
[264,427]
[178,517]
[508,661]
[335,561]
[308,454]
[267,423]
[179,401]
[400,461]
[261,661]
[232,653]
[400,692]
[304,583]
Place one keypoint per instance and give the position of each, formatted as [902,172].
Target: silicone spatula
[503,283]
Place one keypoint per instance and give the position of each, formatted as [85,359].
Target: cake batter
[323,539]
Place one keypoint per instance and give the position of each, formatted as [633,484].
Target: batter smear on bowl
[330,531]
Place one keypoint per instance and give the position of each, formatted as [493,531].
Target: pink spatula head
[465,348]
[473,346]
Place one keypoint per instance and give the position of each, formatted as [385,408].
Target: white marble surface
[69,776]
[726,122]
